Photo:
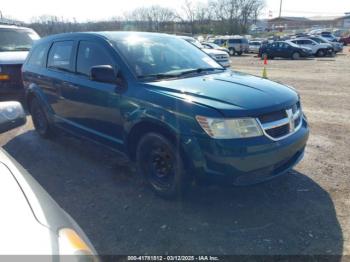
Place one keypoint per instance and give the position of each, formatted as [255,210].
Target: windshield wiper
[201,70]
[181,73]
[160,76]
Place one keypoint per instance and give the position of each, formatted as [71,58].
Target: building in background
[298,23]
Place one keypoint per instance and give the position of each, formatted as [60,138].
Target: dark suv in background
[15,43]
[167,105]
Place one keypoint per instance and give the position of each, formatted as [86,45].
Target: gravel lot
[306,212]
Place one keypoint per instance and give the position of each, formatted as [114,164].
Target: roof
[324,18]
[107,35]
[290,18]
[306,19]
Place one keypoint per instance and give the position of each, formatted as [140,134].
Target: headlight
[71,244]
[230,128]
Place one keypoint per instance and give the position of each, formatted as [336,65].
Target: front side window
[60,56]
[156,55]
[91,54]
[17,39]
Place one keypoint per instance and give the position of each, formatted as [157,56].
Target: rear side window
[60,56]
[38,56]
[91,54]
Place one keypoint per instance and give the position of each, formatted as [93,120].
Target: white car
[254,46]
[31,222]
[318,49]
[221,57]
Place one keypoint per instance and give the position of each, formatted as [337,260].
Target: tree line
[213,17]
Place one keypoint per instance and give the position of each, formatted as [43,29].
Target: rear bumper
[245,161]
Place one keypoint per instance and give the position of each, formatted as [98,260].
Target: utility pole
[281,8]
[0,15]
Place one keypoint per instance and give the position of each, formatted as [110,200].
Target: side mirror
[103,73]
[12,115]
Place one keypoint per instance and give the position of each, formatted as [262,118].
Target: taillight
[4,77]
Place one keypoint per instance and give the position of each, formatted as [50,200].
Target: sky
[85,10]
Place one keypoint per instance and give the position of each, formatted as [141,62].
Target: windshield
[292,44]
[17,39]
[154,56]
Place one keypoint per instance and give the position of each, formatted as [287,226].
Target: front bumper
[245,161]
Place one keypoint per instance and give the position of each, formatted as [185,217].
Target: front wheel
[40,121]
[321,53]
[232,51]
[295,56]
[160,163]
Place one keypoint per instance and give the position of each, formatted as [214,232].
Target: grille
[274,116]
[221,57]
[278,131]
[281,123]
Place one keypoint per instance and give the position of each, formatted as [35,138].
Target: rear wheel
[40,121]
[232,51]
[160,163]
[295,56]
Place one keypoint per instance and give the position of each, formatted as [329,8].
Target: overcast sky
[84,10]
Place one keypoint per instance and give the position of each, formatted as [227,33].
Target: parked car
[345,40]
[236,45]
[218,55]
[209,45]
[318,49]
[284,49]
[167,106]
[329,36]
[15,43]
[32,223]
[254,46]
[338,47]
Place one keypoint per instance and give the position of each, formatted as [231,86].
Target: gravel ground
[305,212]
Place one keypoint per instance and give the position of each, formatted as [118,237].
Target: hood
[231,93]
[13,57]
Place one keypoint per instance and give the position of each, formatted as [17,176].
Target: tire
[296,56]
[232,51]
[321,53]
[40,121]
[161,165]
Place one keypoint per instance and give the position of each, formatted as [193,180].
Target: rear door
[60,71]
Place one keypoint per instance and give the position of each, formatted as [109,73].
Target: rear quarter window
[38,56]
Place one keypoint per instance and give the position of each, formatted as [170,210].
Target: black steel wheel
[161,165]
